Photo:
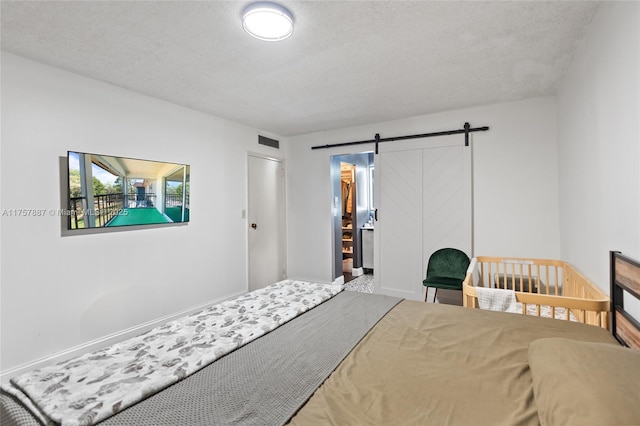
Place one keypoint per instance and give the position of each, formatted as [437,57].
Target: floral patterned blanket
[89,388]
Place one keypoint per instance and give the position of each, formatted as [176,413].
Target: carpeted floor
[138,216]
[363,284]
[175,213]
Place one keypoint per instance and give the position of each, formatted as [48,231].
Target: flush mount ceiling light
[267,21]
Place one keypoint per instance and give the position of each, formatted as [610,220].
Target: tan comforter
[437,365]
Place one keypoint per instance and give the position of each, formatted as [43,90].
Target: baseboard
[339,280]
[356,272]
[106,341]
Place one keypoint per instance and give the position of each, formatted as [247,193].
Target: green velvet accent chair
[447,269]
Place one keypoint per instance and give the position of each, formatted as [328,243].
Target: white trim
[339,280]
[356,272]
[108,340]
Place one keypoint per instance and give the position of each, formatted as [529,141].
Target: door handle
[254,225]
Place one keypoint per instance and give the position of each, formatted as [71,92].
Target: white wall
[599,143]
[515,182]
[60,292]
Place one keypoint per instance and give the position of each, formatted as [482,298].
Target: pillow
[583,383]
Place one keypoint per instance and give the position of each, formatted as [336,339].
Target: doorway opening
[352,213]
[347,191]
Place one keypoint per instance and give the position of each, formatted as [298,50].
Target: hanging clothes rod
[466,130]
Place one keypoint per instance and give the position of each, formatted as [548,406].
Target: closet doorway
[348,234]
[351,210]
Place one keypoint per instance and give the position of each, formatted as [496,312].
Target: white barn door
[424,202]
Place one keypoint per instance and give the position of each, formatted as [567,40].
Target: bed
[356,358]
[542,287]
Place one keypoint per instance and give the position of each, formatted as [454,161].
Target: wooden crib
[544,287]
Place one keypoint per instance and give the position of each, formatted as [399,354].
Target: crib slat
[580,299]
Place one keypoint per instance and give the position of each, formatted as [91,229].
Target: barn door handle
[254,225]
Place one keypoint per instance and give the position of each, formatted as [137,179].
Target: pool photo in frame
[107,191]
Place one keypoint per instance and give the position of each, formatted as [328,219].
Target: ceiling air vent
[263,140]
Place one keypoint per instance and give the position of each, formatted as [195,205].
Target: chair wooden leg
[435,293]
[426,293]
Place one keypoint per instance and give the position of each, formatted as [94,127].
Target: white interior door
[424,201]
[266,222]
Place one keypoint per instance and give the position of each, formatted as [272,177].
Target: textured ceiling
[347,63]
